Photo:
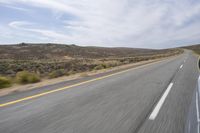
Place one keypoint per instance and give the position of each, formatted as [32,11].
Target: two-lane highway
[173,115]
[154,98]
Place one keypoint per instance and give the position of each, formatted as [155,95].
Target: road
[193,120]
[153,98]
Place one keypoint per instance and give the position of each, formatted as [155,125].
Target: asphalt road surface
[153,98]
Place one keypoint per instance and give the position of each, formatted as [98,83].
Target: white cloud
[143,23]
[50,4]
[18,8]
[27,26]
[19,24]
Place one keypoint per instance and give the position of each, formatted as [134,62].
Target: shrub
[71,72]
[25,77]
[102,66]
[57,73]
[5,82]
[98,67]
[105,65]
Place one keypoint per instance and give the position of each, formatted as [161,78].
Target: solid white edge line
[189,127]
[181,66]
[197,109]
[160,103]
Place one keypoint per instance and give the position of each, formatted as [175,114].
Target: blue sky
[113,23]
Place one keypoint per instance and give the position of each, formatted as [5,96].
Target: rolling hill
[26,51]
[59,59]
[195,48]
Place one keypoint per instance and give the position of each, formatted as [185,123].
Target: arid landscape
[195,48]
[99,66]
[29,63]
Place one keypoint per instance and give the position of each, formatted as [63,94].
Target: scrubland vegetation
[25,77]
[195,48]
[29,63]
[5,82]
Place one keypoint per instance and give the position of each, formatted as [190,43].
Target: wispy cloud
[17,8]
[26,26]
[19,24]
[144,23]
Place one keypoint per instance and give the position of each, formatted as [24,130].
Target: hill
[195,48]
[26,51]
[53,60]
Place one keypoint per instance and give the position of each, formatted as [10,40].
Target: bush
[5,82]
[98,67]
[25,77]
[101,66]
[71,72]
[57,73]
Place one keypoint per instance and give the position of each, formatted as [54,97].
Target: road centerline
[160,102]
[181,66]
[74,85]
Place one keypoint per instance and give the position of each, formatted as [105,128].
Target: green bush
[57,73]
[101,66]
[5,82]
[98,67]
[105,65]
[25,77]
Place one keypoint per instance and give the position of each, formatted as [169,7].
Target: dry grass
[53,60]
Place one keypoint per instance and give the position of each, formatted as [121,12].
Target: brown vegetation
[28,62]
[25,77]
[195,48]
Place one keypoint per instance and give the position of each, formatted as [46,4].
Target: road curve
[136,101]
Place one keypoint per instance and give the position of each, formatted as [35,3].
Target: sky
[107,23]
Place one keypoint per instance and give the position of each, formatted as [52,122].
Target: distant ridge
[30,51]
[195,48]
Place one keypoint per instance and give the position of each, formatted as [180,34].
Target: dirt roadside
[45,82]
